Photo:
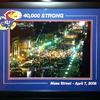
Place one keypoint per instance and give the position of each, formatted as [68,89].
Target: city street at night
[52,49]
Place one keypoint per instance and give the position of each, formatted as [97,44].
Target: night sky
[39,28]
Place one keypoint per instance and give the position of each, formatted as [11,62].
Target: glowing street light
[18,57]
[66,73]
[14,59]
[69,66]
[73,42]
[68,69]
[29,43]
[85,33]
[81,23]
[31,54]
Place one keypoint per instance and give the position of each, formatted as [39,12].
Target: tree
[14,63]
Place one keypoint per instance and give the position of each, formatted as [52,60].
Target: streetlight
[81,23]
[66,73]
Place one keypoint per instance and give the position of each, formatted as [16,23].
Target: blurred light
[14,59]
[28,73]
[31,54]
[10,54]
[81,53]
[69,25]
[82,42]
[73,24]
[81,31]
[66,72]
[15,53]
[73,57]
[25,50]
[78,54]
[86,25]
[85,33]
[46,0]
[67,68]
[22,55]
[29,43]
[70,63]
[81,23]
[33,48]
[48,43]
[74,49]
[56,39]
[78,46]
[18,57]
[66,32]
[41,48]
[70,36]
[73,42]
